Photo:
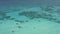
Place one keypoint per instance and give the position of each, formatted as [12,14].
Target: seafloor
[26,17]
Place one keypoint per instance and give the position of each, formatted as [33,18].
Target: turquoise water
[29,17]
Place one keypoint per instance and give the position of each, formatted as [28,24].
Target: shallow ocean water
[29,17]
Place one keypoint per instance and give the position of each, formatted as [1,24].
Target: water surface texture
[29,16]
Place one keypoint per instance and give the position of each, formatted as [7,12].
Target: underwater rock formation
[36,14]
[19,26]
[48,8]
[7,17]
[1,22]
[19,21]
[2,15]
[13,31]
[58,21]
[33,15]
[12,18]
